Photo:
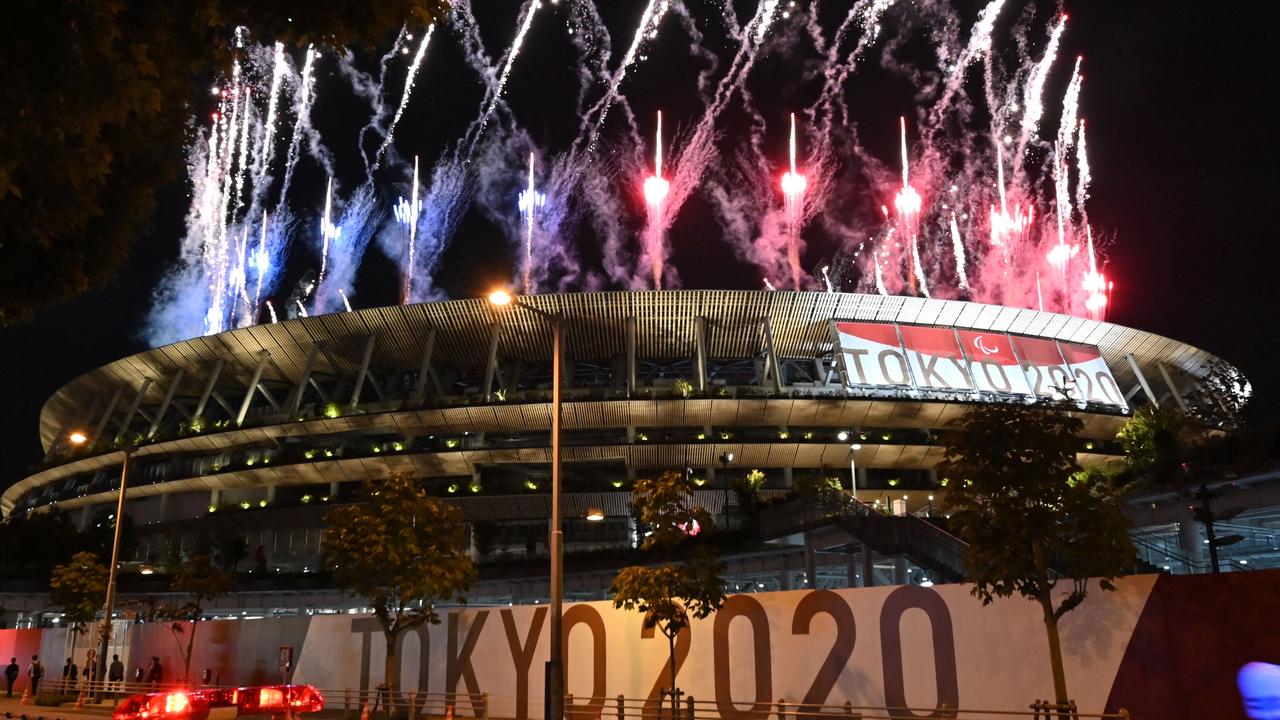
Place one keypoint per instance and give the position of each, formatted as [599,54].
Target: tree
[202,581]
[1031,516]
[403,551]
[670,595]
[230,550]
[94,112]
[79,587]
[1153,441]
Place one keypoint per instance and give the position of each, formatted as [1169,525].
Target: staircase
[928,546]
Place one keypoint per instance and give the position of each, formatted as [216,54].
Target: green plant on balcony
[530,485]
[474,486]
[500,394]
[893,482]
[305,499]
[332,410]
[309,454]
[196,425]
[683,387]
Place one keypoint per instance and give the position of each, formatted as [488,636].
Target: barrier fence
[381,702]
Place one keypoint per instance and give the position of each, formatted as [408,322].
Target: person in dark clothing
[69,674]
[11,672]
[115,674]
[35,671]
[155,673]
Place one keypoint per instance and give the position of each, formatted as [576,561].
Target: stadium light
[77,438]
[595,514]
[500,298]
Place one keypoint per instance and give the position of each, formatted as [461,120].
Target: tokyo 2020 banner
[947,359]
[1163,647]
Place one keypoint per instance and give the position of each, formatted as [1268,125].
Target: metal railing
[381,702]
[930,546]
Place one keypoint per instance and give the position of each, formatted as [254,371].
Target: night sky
[1181,145]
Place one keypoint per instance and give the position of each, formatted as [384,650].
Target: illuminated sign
[917,357]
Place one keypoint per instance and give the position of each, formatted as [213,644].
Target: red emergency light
[221,703]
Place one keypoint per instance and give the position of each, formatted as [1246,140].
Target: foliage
[814,484]
[403,551]
[670,595]
[94,112]
[1031,516]
[1224,394]
[1152,440]
[683,387]
[79,587]
[485,535]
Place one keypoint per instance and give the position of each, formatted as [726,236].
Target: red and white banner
[1046,371]
[1094,381]
[941,358]
[936,360]
[994,363]
[873,354]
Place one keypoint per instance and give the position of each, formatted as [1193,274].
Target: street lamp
[108,606]
[853,470]
[725,459]
[555,665]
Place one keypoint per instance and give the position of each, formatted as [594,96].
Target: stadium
[257,432]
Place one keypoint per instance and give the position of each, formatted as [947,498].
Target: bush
[54,700]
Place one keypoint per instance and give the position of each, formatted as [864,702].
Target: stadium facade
[258,431]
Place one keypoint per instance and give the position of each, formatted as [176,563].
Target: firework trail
[404,97]
[656,189]
[266,142]
[407,213]
[495,93]
[1084,177]
[529,202]
[302,112]
[654,10]
[907,203]
[1033,98]
[1070,109]
[793,186]
[271,309]
[957,248]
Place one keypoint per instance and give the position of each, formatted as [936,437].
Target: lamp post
[853,469]
[725,459]
[108,606]
[554,689]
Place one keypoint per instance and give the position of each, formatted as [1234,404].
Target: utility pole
[1205,514]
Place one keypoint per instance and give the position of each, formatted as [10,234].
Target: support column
[271,494]
[788,476]
[1177,396]
[491,365]
[164,507]
[700,342]
[164,404]
[215,497]
[868,566]
[363,372]
[209,385]
[133,407]
[95,440]
[333,490]
[632,375]
[900,570]
[424,369]
[1142,380]
[850,569]
[253,386]
[772,369]
[295,397]
[82,523]
[810,563]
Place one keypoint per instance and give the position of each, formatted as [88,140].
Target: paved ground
[15,709]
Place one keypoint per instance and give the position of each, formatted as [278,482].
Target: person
[115,675]
[11,672]
[90,672]
[138,674]
[34,672]
[69,673]
[155,673]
